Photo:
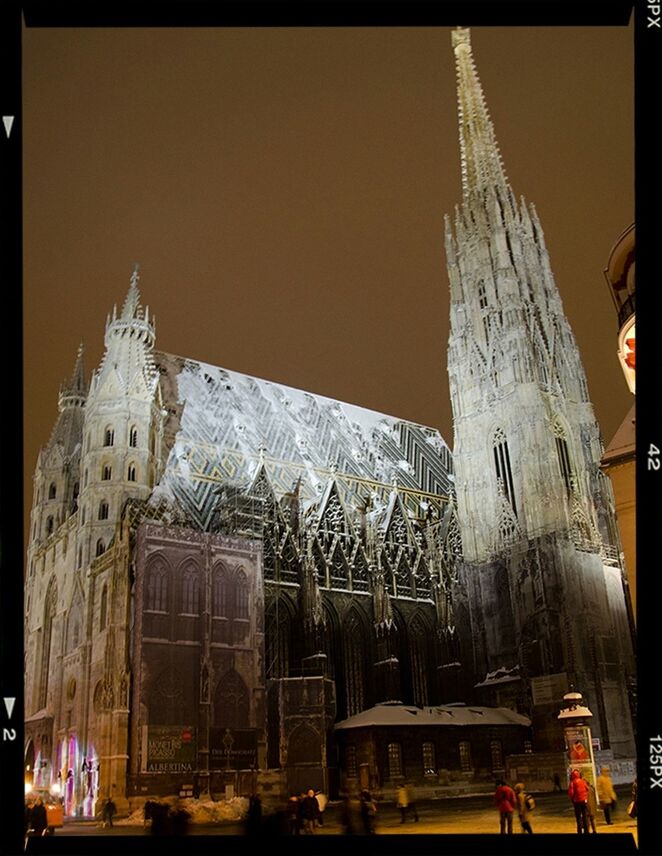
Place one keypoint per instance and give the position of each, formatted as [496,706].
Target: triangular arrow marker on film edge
[8,121]
[9,704]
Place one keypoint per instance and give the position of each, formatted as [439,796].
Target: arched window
[231,702]
[50,607]
[133,437]
[101,547]
[52,491]
[394,760]
[131,473]
[106,472]
[418,648]
[84,514]
[502,466]
[191,591]
[104,608]
[49,525]
[563,455]
[219,593]
[157,588]
[108,437]
[241,595]
[80,558]
[103,510]
[354,647]
[278,635]
[74,622]
[86,478]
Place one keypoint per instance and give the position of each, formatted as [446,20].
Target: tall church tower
[535,511]
[123,426]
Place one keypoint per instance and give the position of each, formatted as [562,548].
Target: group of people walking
[306,812]
[585,803]
[508,801]
[583,796]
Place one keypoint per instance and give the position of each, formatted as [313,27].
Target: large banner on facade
[168,749]
[232,748]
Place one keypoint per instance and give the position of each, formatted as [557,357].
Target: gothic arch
[241,593]
[355,646]
[278,638]
[103,608]
[231,701]
[220,590]
[50,609]
[188,573]
[303,746]
[331,642]
[74,624]
[420,634]
[564,454]
[157,596]
[502,467]
[401,649]
[167,698]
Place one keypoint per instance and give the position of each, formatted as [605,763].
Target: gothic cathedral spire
[482,166]
[533,507]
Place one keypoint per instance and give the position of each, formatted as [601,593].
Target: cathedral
[228,580]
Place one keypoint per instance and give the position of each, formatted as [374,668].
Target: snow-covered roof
[391,713]
[222,424]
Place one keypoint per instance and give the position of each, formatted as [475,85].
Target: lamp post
[575,718]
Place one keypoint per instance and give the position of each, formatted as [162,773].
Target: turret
[123,425]
[57,477]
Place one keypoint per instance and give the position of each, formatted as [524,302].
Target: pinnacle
[131,304]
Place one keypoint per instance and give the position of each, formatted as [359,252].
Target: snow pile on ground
[201,811]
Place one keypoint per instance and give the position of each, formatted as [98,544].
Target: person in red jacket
[505,800]
[578,793]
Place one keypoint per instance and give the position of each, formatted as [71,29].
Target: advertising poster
[168,749]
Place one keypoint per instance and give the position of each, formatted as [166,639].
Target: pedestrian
[349,812]
[578,793]
[178,819]
[254,815]
[525,805]
[632,807]
[309,812]
[606,793]
[29,805]
[402,801]
[108,812]
[504,797]
[591,806]
[293,815]
[322,800]
[39,818]
[368,811]
[411,796]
